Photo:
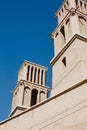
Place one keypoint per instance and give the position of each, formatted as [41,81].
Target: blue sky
[24,28]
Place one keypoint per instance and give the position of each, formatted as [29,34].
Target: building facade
[66,109]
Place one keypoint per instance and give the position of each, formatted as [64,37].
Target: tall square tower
[69,64]
[31,87]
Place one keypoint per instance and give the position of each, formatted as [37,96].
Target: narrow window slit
[31,74]
[28,69]
[42,78]
[81,4]
[64,61]
[85,5]
[56,34]
[38,75]
[76,2]
[68,20]
[35,75]
[62,31]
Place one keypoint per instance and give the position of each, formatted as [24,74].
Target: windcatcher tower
[69,64]
[31,87]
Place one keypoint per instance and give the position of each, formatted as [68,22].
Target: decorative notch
[64,61]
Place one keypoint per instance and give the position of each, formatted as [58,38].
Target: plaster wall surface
[22,73]
[75,69]
[54,114]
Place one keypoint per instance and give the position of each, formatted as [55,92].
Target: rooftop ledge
[28,62]
[27,82]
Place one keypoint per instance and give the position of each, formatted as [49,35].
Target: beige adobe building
[66,109]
